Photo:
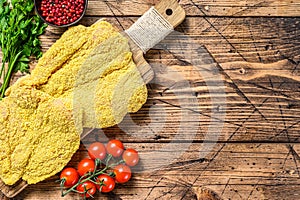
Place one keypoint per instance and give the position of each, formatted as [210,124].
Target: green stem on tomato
[108,158]
[84,180]
[97,163]
[91,175]
[62,183]
[94,182]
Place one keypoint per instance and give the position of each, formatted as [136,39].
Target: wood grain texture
[199,8]
[233,171]
[172,11]
[258,71]
[174,18]
[252,50]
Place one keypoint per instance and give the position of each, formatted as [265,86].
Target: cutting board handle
[158,22]
[171,11]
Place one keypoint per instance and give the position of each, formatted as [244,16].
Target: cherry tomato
[69,176]
[115,148]
[131,157]
[108,183]
[87,186]
[97,150]
[86,165]
[123,173]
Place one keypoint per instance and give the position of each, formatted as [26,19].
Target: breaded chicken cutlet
[86,79]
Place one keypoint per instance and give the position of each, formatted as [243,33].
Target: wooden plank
[258,62]
[253,171]
[260,84]
[199,8]
[227,39]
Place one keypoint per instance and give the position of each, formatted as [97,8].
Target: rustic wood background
[256,45]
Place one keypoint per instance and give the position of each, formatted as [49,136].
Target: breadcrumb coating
[86,79]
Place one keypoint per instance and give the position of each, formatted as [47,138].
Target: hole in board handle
[169,11]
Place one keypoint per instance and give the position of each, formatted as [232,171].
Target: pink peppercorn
[61,12]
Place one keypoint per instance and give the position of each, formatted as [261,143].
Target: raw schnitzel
[86,79]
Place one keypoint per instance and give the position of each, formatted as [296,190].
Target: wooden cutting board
[174,14]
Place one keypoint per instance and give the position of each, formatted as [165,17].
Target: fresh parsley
[19,31]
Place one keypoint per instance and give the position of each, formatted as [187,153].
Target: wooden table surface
[243,146]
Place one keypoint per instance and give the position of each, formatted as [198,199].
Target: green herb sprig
[19,31]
